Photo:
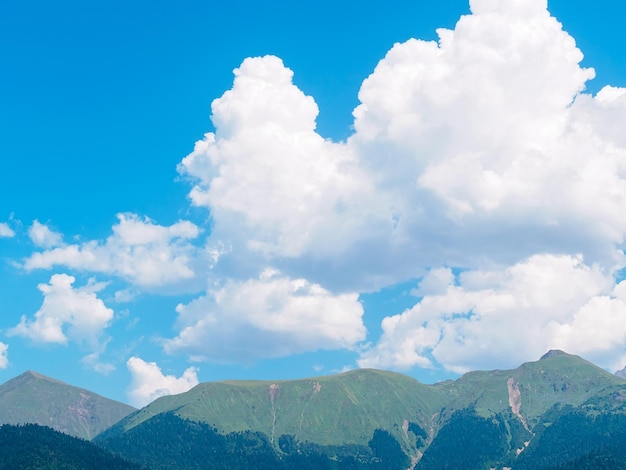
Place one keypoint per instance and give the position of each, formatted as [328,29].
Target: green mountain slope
[342,409]
[166,441]
[497,419]
[531,389]
[575,439]
[35,398]
[336,415]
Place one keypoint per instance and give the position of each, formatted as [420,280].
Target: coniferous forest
[31,446]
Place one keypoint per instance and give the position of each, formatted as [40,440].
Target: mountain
[35,398]
[558,412]
[531,389]
[576,439]
[166,442]
[344,408]
[376,419]
[32,446]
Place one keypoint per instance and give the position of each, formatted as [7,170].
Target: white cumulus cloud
[4,355]
[149,383]
[473,148]
[478,159]
[42,236]
[506,316]
[486,138]
[480,152]
[6,231]
[272,183]
[140,251]
[67,314]
[270,316]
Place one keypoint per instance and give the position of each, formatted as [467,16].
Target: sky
[242,190]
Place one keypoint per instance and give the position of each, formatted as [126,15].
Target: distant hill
[375,419]
[35,398]
[338,409]
[32,447]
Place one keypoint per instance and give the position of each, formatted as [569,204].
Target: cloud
[467,151]
[92,361]
[505,316]
[6,231]
[486,137]
[436,281]
[280,194]
[140,251]
[125,295]
[148,382]
[597,330]
[478,163]
[479,152]
[42,236]
[273,184]
[4,355]
[67,314]
[270,316]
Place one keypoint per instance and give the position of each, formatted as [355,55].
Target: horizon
[546,355]
[202,193]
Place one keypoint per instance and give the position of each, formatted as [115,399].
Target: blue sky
[431,207]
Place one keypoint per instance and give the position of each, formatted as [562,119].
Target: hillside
[341,409]
[35,398]
[350,415]
[531,389]
[558,412]
[32,447]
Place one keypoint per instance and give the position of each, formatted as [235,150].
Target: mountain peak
[553,353]
[33,374]
[35,398]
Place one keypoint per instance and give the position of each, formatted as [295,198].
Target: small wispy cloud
[6,231]
[4,355]
[42,236]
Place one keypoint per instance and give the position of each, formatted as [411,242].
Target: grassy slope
[347,408]
[35,398]
[340,409]
[556,378]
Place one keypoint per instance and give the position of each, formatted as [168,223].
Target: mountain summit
[552,353]
[35,398]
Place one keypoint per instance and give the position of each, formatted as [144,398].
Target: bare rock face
[621,373]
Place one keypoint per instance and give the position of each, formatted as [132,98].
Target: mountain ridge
[348,408]
[34,398]
[296,407]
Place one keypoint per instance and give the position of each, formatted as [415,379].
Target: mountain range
[558,412]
